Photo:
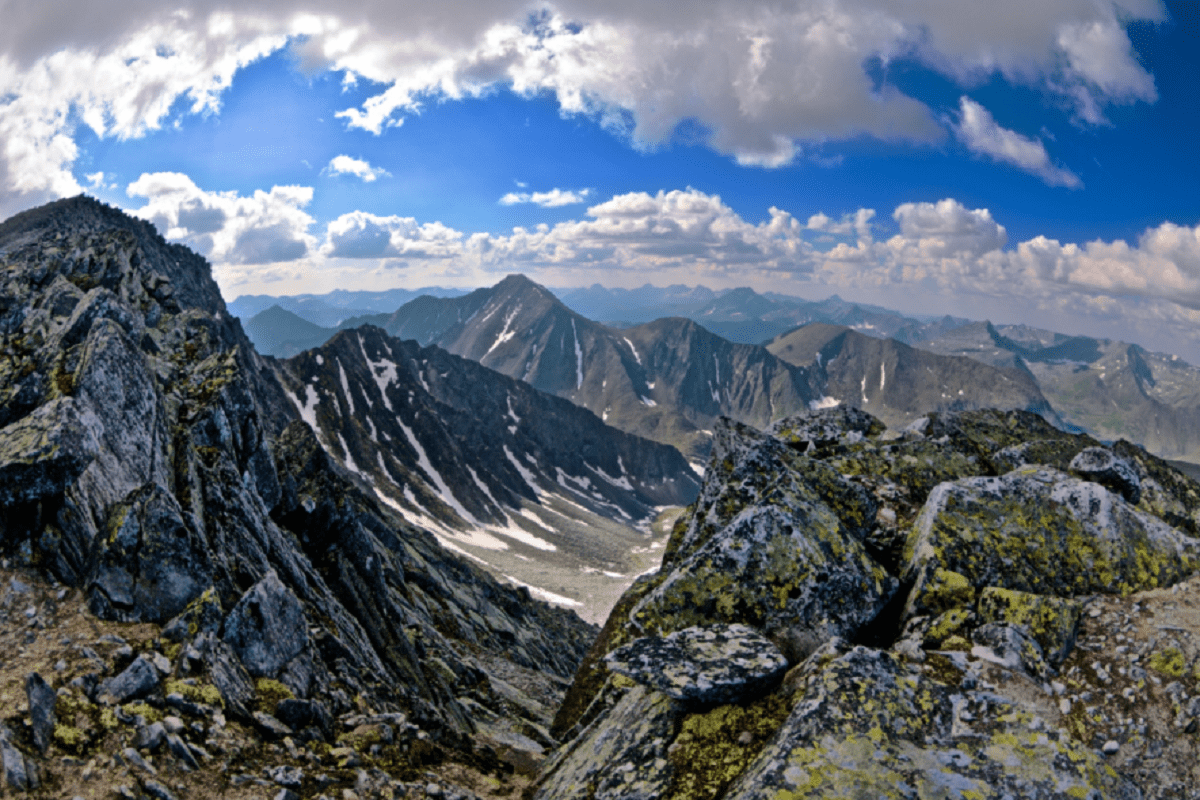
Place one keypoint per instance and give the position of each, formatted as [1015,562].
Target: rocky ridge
[221,572]
[983,607]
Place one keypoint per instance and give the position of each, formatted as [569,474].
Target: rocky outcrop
[930,596]
[150,458]
[707,664]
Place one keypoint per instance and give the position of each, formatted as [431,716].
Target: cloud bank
[761,80]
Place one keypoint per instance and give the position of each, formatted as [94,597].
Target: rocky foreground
[984,607]
[195,600]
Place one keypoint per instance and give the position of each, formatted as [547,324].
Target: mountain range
[1109,388]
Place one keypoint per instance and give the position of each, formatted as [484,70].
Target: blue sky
[1026,161]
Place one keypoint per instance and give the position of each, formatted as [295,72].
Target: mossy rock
[945,590]
[868,725]
[1041,531]
[269,692]
[1051,621]
[945,626]
[204,693]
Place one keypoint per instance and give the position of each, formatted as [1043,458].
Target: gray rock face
[707,664]
[267,628]
[1101,465]
[41,709]
[44,452]
[623,759]
[826,427]
[153,562]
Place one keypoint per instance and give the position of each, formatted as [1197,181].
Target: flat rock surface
[710,663]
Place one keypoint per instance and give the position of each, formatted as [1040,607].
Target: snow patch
[549,597]
[345,386]
[824,402]
[524,472]
[621,482]
[636,357]
[320,360]
[647,401]
[384,372]
[512,413]
[882,375]
[505,334]
[427,467]
[307,409]
[578,358]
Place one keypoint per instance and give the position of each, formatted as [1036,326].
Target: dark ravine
[154,468]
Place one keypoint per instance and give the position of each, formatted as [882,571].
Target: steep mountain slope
[536,487]
[898,383]
[668,380]
[151,463]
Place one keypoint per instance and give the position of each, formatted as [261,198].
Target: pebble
[1064,705]
[1110,747]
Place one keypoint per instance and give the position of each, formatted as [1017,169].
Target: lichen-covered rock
[868,726]
[1100,465]
[707,664]
[1051,621]
[1041,531]
[764,549]
[267,628]
[43,452]
[623,758]
[824,428]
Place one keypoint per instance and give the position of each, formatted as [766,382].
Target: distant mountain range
[333,308]
[1110,389]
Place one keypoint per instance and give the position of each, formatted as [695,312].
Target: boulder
[1012,647]
[20,773]
[762,548]
[1101,465]
[708,664]
[267,628]
[624,757]
[137,680]
[870,726]
[1040,530]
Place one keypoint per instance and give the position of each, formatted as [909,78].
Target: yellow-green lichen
[269,693]
[69,737]
[714,747]
[198,693]
[1169,661]
[144,710]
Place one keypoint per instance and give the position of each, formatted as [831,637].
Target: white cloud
[947,229]
[979,131]
[363,235]
[345,165]
[264,228]
[554,198]
[763,79]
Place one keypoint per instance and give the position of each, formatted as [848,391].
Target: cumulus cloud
[979,131]
[362,235]
[554,198]
[345,165]
[264,228]
[761,79]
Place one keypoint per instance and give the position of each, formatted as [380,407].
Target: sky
[1030,161]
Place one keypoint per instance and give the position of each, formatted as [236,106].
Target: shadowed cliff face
[150,458]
